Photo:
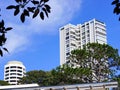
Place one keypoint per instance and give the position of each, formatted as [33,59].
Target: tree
[59,76]
[36,76]
[25,8]
[102,60]
[3,83]
[117,7]
[66,74]
[63,75]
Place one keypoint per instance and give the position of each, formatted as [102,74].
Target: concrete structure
[13,71]
[90,86]
[20,87]
[75,36]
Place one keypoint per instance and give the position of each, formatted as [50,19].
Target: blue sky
[36,42]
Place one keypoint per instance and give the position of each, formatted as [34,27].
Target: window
[72,44]
[20,67]
[67,45]
[7,78]
[88,35]
[19,71]
[83,25]
[7,67]
[79,47]
[6,74]
[12,70]
[12,77]
[12,80]
[83,37]
[13,67]
[72,32]
[67,41]
[79,42]
[83,33]
[87,31]
[62,28]
[18,77]
[19,74]
[7,71]
[13,74]
[71,36]
[87,27]
[84,41]
[67,58]
[67,33]
[67,53]
[67,37]
[67,29]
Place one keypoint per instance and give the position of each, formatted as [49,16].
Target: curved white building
[13,71]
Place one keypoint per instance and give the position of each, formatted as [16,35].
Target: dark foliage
[25,8]
[61,75]
[39,8]
[3,83]
[117,7]
[3,31]
[102,59]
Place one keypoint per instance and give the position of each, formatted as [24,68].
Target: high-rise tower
[75,36]
[13,71]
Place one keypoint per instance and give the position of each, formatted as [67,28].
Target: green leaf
[3,38]
[8,29]
[26,13]
[22,17]
[1,53]
[24,1]
[17,10]
[18,1]
[36,13]
[115,2]
[46,1]
[35,2]
[2,23]
[119,18]
[31,9]
[41,1]
[48,8]
[11,7]
[42,15]
[116,10]
[45,11]
[5,49]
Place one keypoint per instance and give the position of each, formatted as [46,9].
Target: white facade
[75,36]
[13,71]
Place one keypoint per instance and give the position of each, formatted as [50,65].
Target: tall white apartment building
[13,72]
[75,36]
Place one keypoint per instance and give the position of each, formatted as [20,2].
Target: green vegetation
[3,83]
[94,63]
[60,76]
[102,59]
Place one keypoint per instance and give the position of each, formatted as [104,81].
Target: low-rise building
[13,72]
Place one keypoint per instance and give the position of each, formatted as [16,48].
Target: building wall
[13,71]
[76,36]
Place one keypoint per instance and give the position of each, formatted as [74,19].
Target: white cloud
[62,12]
[16,42]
